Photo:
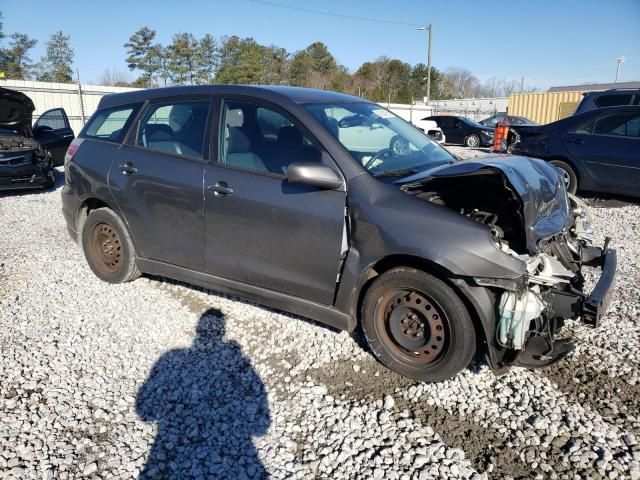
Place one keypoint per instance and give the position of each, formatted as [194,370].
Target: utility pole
[428,28]
[620,60]
[80,97]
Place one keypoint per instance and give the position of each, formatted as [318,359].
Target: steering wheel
[376,156]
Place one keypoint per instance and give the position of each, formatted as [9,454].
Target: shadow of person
[208,403]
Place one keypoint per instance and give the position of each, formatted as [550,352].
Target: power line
[331,14]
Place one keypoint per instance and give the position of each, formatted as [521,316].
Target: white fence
[80,101]
[473,108]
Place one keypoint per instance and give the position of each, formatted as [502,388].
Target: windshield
[384,144]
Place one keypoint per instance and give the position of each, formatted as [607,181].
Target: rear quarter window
[613,100]
[110,124]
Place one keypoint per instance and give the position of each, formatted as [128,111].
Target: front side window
[53,119]
[380,141]
[176,127]
[261,139]
[110,124]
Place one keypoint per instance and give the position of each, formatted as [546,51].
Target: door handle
[220,189]
[127,168]
[576,141]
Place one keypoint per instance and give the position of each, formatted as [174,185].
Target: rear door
[53,131]
[156,180]
[609,147]
[260,229]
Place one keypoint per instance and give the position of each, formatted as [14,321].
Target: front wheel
[472,141]
[417,326]
[568,175]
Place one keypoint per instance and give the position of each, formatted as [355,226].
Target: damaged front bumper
[590,308]
[24,172]
[531,344]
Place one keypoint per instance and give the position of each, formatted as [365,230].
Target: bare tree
[509,86]
[114,78]
[492,87]
[461,83]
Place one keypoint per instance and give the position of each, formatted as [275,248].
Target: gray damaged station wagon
[331,207]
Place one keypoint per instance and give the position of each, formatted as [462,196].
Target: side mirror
[314,174]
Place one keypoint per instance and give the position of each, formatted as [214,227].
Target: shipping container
[544,107]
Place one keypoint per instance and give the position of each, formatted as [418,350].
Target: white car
[432,129]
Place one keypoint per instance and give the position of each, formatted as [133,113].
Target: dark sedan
[464,131]
[597,151]
[510,119]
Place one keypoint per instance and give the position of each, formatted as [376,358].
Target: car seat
[238,151]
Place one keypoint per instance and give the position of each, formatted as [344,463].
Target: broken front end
[24,163]
[524,204]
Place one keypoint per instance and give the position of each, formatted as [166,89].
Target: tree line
[188,60]
[54,66]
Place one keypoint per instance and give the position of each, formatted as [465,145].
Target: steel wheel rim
[565,177]
[473,141]
[400,147]
[413,326]
[105,248]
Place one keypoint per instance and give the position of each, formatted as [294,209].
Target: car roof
[611,91]
[272,92]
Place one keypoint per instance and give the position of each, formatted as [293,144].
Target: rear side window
[613,100]
[623,124]
[110,124]
[176,127]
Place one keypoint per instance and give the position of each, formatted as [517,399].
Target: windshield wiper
[403,172]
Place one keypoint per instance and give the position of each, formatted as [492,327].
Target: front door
[260,229]
[610,150]
[156,180]
[53,131]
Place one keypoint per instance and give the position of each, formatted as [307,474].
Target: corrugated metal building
[544,107]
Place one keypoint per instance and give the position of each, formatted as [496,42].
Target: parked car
[598,150]
[28,155]
[464,131]
[616,97]
[433,257]
[432,129]
[510,119]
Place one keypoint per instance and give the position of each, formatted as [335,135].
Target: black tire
[472,141]
[569,174]
[108,247]
[428,302]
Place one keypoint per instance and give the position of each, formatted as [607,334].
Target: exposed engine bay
[543,227]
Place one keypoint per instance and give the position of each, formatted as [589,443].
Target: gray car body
[380,225]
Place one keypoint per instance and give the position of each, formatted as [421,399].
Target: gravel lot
[162,380]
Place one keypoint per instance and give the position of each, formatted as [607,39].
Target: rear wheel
[472,141]
[108,247]
[417,326]
[568,174]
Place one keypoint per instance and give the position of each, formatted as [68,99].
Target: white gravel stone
[162,379]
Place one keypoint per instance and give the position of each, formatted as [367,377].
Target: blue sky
[548,42]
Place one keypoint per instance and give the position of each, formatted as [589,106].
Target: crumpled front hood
[545,204]
[16,110]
